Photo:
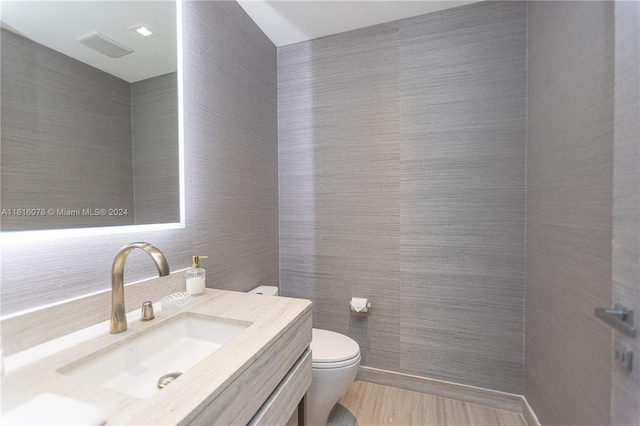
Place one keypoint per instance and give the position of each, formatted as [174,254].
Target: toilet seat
[333,350]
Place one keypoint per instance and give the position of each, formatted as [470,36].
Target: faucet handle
[147,311]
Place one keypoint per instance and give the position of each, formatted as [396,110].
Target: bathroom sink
[176,346]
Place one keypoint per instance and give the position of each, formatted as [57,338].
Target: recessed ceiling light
[142,30]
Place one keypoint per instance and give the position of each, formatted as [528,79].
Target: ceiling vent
[103,44]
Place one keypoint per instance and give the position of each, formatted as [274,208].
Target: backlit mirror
[90,115]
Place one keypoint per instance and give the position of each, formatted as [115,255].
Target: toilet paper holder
[360,305]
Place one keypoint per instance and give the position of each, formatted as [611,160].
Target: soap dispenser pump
[196,277]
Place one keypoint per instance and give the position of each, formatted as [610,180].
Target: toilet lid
[329,347]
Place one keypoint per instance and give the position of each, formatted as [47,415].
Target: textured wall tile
[339,183]
[569,203]
[401,167]
[233,148]
[463,89]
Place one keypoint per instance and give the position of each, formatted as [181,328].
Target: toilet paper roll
[359,304]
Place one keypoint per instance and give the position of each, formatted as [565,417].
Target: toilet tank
[267,290]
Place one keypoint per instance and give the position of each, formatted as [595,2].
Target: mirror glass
[90,114]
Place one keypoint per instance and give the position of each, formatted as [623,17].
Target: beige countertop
[278,323]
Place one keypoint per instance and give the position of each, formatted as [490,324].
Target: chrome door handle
[621,315]
[620,318]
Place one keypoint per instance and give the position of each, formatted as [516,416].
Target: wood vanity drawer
[246,395]
[280,405]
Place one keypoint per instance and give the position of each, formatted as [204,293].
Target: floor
[368,404]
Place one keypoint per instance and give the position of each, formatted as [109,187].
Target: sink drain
[164,381]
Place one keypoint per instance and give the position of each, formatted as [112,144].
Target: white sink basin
[135,367]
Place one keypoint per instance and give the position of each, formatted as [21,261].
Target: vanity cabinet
[258,377]
[288,395]
[271,388]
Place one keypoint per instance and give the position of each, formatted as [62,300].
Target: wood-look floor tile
[369,404]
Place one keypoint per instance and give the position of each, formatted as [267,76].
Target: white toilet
[335,361]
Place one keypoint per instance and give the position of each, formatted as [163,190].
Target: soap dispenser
[196,277]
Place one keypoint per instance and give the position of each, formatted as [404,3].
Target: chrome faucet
[118,313]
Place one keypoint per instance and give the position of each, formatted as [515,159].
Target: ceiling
[291,21]
[58,25]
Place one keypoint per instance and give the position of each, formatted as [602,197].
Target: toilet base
[327,387]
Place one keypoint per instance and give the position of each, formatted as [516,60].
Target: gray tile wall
[569,208]
[232,155]
[154,140]
[68,125]
[339,166]
[231,172]
[401,166]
